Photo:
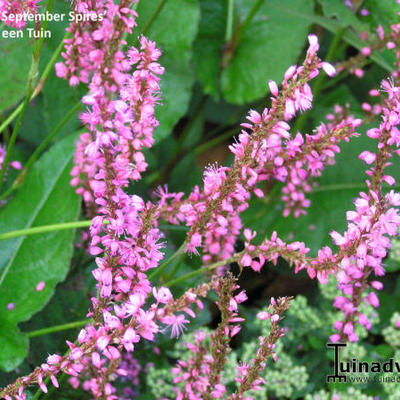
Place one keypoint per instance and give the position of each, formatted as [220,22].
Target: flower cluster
[366,242]
[213,214]
[130,120]
[199,377]
[304,158]
[249,374]
[129,370]
[123,89]
[95,42]
[12,11]
[201,373]
[377,41]
[108,157]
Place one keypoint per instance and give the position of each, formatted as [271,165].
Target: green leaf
[44,198]
[382,12]
[55,104]
[392,265]
[389,304]
[316,342]
[209,44]
[174,31]
[384,350]
[69,303]
[33,128]
[333,26]
[14,67]
[14,346]
[337,9]
[266,49]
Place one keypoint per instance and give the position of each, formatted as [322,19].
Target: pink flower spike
[10,306]
[40,286]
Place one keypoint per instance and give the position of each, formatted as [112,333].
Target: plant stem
[45,228]
[249,18]
[202,147]
[346,186]
[153,17]
[39,390]
[58,328]
[180,151]
[174,228]
[39,86]
[33,72]
[200,271]
[39,43]
[20,178]
[172,273]
[52,389]
[18,124]
[66,226]
[47,380]
[229,21]
[236,35]
[168,262]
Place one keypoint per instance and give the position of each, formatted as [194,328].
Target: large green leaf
[44,198]
[174,30]
[14,67]
[69,303]
[332,26]
[209,44]
[337,9]
[382,12]
[267,48]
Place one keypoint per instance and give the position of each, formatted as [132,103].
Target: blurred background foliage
[218,56]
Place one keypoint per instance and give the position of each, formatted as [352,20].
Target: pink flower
[177,324]
[367,157]
[329,69]
[275,318]
[273,87]
[162,295]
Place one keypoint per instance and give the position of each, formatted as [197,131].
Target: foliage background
[215,72]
